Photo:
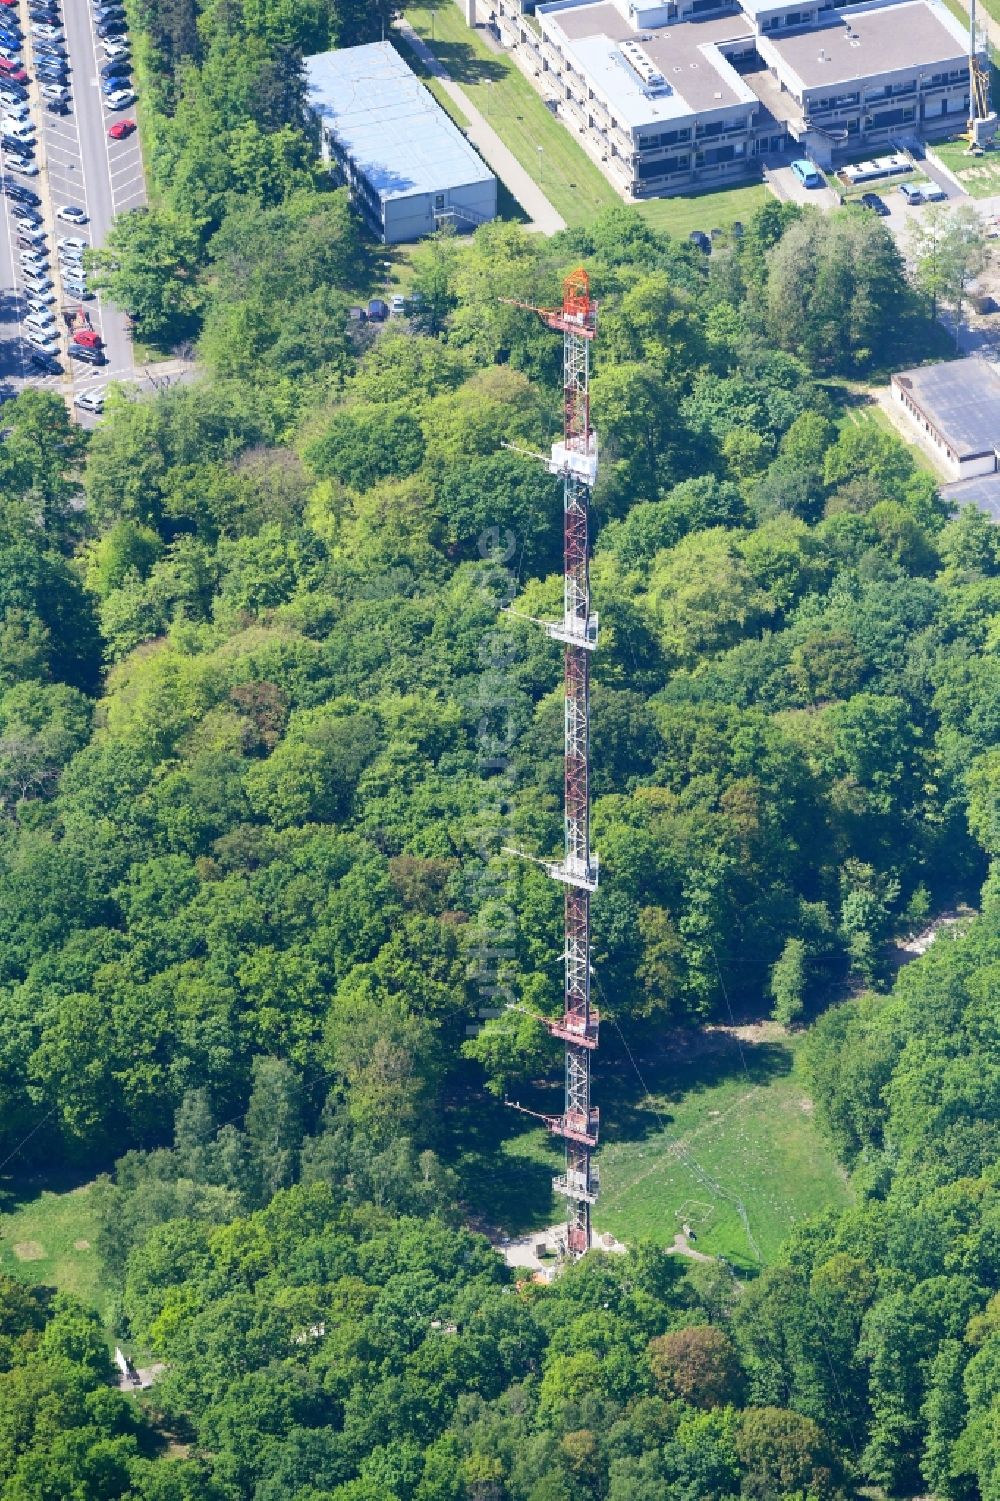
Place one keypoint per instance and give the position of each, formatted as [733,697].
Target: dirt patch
[806,1105]
[766,1031]
[29,1250]
[81,1245]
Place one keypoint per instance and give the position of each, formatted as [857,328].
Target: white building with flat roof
[409,168]
[682,93]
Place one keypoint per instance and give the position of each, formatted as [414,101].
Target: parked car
[88,356]
[113,47]
[110,28]
[22,165]
[89,338]
[117,67]
[700,240]
[54,91]
[121,129]
[46,363]
[41,341]
[41,323]
[808,175]
[20,193]
[37,284]
[378,309]
[20,130]
[397,305]
[70,213]
[13,71]
[91,400]
[120,99]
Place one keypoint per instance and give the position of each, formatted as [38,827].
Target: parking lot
[69,161]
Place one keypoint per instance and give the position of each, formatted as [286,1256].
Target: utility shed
[956,407]
[409,168]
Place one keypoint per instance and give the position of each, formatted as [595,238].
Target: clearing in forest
[725,1141]
[49,1238]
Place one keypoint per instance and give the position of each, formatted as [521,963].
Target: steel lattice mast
[575,458]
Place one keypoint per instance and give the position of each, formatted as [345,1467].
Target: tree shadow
[459,58]
[19,1191]
[502,1187]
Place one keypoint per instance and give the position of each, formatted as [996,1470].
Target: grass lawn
[49,1238]
[725,1141]
[573,184]
[979,175]
[707,211]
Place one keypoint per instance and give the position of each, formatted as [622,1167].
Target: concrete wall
[417,214]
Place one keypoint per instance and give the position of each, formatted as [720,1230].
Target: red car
[13,70]
[11,3]
[88,337]
[120,129]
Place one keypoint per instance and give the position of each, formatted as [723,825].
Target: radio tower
[575,458]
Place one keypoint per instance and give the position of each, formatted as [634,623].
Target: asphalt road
[80,165]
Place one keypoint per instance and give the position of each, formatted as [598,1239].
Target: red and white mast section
[575,458]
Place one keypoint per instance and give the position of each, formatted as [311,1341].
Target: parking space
[80,162]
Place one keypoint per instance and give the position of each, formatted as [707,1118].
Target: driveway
[787,187]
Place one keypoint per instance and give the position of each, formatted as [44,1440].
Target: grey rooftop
[961,399]
[861,43]
[388,123]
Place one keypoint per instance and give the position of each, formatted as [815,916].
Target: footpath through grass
[505,98]
[573,184]
[50,1238]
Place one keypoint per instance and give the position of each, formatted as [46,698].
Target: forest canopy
[270,713]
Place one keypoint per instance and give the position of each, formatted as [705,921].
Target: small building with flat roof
[409,168]
[955,407]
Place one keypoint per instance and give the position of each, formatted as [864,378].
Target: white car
[70,214]
[120,99]
[40,302]
[15,109]
[90,401]
[22,165]
[55,91]
[46,32]
[114,47]
[40,341]
[20,130]
[37,285]
[73,242]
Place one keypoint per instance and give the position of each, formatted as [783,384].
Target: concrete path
[544,219]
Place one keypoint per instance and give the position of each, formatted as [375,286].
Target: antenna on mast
[575,458]
[982,125]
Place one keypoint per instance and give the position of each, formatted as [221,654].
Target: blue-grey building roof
[388,123]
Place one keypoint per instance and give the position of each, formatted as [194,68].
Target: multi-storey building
[681,93]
